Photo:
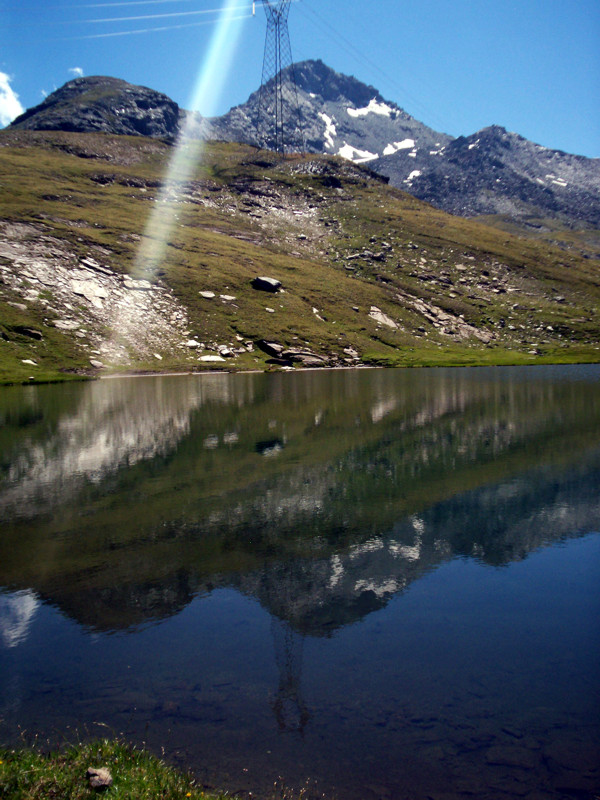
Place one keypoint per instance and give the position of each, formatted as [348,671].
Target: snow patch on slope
[330,129]
[355,155]
[414,174]
[394,147]
[373,108]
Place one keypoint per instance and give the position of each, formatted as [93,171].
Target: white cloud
[10,107]
[76,71]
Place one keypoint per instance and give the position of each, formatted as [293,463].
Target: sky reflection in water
[383,580]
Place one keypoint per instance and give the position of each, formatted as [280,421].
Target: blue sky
[529,66]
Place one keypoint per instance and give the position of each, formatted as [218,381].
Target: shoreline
[68,377]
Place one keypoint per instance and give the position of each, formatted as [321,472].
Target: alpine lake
[374,584]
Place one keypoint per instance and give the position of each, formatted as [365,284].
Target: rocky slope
[491,172]
[87,299]
[360,273]
[105,105]
[496,172]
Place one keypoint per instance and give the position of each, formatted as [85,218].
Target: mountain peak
[491,171]
[101,103]
[315,77]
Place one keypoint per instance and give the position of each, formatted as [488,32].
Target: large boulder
[270,348]
[265,284]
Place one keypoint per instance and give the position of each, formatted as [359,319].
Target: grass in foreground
[137,775]
[27,774]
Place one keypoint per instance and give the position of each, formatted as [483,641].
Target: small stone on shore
[99,779]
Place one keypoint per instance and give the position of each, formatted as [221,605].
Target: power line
[131,3]
[170,14]
[352,50]
[158,29]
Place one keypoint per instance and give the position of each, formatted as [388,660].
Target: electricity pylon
[278,124]
[290,710]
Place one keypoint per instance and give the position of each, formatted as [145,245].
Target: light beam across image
[188,152]
[127,318]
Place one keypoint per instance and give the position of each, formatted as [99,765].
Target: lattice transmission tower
[278,118]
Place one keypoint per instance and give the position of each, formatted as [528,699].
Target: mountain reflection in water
[322,496]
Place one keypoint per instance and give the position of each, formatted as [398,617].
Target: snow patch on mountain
[330,129]
[355,155]
[394,147]
[414,174]
[374,107]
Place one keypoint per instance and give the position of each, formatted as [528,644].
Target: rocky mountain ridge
[105,105]
[491,172]
[337,115]
[497,172]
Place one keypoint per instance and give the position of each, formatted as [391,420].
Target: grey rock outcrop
[491,172]
[100,779]
[106,105]
[265,284]
[497,172]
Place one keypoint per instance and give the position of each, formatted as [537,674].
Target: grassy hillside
[585,241]
[369,274]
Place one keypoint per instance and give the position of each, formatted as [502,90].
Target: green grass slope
[369,274]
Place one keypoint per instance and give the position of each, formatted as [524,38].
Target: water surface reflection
[218,539]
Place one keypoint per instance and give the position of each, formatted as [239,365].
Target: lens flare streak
[184,161]
[187,152]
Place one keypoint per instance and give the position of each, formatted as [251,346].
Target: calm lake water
[384,583]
